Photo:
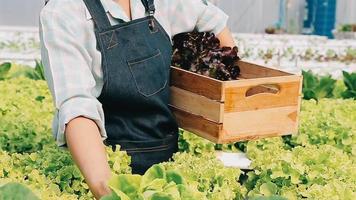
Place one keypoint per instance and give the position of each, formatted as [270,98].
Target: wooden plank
[249,137]
[250,70]
[278,123]
[197,104]
[198,125]
[196,83]
[261,81]
[264,122]
[236,99]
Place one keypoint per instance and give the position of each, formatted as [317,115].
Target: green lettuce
[315,87]
[16,191]
[350,83]
[156,184]
[4,70]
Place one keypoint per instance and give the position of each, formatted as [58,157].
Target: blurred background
[287,34]
[252,16]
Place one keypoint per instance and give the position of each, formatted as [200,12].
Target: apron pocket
[149,73]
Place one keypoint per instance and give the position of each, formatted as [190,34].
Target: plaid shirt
[73,64]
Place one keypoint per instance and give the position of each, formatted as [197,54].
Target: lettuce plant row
[318,163]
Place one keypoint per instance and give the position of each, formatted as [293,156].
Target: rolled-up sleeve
[197,14]
[67,67]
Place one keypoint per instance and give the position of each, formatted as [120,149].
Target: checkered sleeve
[196,14]
[67,71]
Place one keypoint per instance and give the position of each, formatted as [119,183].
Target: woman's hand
[87,149]
[226,38]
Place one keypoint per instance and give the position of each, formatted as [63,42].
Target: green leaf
[315,87]
[172,189]
[188,194]
[155,172]
[309,83]
[309,94]
[40,98]
[339,89]
[268,189]
[111,196]
[325,87]
[31,74]
[4,70]
[156,185]
[295,177]
[346,28]
[350,83]
[16,191]
[39,70]
[273,197]
[309,80]
[125,186]
[175,177]
[161,196]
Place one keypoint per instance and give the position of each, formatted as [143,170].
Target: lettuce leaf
[16,191]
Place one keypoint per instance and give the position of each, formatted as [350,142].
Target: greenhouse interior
[235,100]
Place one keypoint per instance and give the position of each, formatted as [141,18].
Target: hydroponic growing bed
[318,163]
[294,53]
[291,53]
[19,44]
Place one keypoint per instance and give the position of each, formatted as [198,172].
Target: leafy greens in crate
[200,52]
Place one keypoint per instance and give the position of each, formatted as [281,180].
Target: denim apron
[136,59]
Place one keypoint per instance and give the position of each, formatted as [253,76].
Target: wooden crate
[265,102]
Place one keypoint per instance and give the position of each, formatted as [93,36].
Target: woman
[107,62]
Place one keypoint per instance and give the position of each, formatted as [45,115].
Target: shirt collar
[117,12]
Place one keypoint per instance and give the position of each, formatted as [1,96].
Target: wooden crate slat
[260,122]
[261,81]
[249,70]
[237,101]
[249,137]
[197,104]
[196,83]
[198,125]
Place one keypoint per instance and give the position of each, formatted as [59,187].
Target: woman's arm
[226,38]
[80,115]
[88,152]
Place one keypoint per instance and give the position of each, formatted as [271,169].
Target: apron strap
[149,6]
[98,13]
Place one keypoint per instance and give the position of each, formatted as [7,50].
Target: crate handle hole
[263,89]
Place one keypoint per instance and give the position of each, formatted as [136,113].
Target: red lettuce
[200,52]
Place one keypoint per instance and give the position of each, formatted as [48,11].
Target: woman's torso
[164,10]
[68,40]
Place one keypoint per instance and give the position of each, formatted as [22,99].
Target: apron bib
[136,59]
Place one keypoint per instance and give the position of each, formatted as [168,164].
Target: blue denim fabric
[136,59]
